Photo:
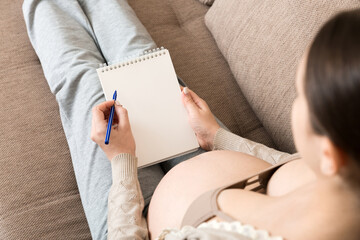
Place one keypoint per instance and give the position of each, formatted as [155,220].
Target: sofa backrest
[263,42]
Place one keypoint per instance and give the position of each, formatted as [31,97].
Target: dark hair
[332,82]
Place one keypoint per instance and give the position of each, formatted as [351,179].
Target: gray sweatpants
[71,39]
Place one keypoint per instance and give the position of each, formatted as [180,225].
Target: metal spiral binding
[146,55]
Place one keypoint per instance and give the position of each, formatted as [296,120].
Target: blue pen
[110,120]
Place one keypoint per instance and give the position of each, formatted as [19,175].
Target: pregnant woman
[316,197]
[212,196]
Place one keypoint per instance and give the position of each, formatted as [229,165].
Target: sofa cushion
[263,42]
[39,198]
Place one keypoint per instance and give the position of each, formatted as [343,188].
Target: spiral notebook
[148,88]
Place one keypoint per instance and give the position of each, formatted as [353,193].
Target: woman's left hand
[201,119]
[121,137]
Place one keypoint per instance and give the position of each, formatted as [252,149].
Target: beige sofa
[242,62]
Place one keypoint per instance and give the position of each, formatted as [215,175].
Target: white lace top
[244,230]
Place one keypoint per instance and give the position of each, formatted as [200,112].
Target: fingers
[99,111]
[188,101]
[198,100]
[192,101]
[105,106]
[122,114]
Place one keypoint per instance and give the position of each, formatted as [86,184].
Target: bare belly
[188,180]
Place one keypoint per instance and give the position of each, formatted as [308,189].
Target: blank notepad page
[148,88]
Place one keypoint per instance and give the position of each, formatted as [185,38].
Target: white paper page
[149,90]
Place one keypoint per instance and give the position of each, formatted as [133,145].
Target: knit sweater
[125,200]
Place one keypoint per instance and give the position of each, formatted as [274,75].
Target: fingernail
[118,103]
[186,90]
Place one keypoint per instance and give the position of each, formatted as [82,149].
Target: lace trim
[245,230]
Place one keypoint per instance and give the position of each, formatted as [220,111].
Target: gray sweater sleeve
[225,140]
[125,200]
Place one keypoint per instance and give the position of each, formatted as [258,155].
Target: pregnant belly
[189,179]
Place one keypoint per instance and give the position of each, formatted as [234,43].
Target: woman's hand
[200,118]
[121,137]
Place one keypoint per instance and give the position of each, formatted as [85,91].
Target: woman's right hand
[121,137]
[200,118]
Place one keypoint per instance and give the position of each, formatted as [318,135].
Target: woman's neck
[332,191]
[325,208]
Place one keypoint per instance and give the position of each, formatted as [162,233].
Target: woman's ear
[332,157]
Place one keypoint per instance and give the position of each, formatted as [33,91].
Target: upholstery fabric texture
[39,198]
[38,192]
[263,42]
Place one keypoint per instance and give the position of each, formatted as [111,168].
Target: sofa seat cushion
[263,42]
[39,198]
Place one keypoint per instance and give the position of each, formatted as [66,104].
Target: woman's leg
[118,31]
[63,38]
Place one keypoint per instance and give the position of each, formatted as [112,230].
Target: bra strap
[224,216]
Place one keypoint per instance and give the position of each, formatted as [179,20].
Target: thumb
[122,114]
[188,101]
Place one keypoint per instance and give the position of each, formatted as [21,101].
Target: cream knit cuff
[225,140]
[124,165]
